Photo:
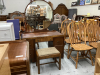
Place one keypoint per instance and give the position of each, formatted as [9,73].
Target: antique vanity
[38,11]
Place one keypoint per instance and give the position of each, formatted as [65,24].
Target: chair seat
[47,51]
[68,41]
[81,47]
[94,44]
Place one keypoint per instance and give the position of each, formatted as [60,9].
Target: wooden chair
[45,53]
[45,25]
[63,17]
[93,34]
[75,34]
[97,61]
[86,21]
[64,31]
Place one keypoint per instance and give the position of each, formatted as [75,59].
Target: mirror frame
[44,1]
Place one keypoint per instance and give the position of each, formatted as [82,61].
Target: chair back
[57,18]
[76,31]
[63,17]
[74,17]
[64,25]
[93,31]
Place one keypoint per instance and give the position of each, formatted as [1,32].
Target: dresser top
[41,34]
[3,51]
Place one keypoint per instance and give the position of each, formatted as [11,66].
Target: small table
[55,36]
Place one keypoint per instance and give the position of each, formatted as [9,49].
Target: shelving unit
[97,61]
[86,4]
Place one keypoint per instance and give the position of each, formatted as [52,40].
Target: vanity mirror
[38,14]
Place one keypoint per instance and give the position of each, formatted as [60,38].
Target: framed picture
[94,1]
[82,2]
[98,1]
[87,2]
[74,4]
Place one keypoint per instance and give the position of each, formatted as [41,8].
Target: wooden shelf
[98,61]
[97,73]
[85,5]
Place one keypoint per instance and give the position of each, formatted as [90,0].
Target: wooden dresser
[18,54]
[4,61]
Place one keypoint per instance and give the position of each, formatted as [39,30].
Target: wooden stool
[45,53]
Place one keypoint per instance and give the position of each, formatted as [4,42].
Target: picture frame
[94,1]
[82,2]
[87,2]
[73,3]
[98,1]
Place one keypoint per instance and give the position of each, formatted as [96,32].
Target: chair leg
[77,59]
[60,63]
[38,45]
[68,48]
[68,56]
[91,58]
[38,61]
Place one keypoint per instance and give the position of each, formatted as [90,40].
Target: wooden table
[55,36]
[18,54]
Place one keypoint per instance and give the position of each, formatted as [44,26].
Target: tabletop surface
[16,49]
[41,34]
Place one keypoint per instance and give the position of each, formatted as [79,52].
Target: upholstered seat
[47,51]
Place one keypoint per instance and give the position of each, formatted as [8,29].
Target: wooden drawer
[58,41]
[18,71]
[42,39]
[60,48]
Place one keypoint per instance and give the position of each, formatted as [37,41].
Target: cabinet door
[58,42]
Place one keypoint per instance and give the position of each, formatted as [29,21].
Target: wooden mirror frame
[50,4]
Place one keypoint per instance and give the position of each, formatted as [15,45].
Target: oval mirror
[39,14]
